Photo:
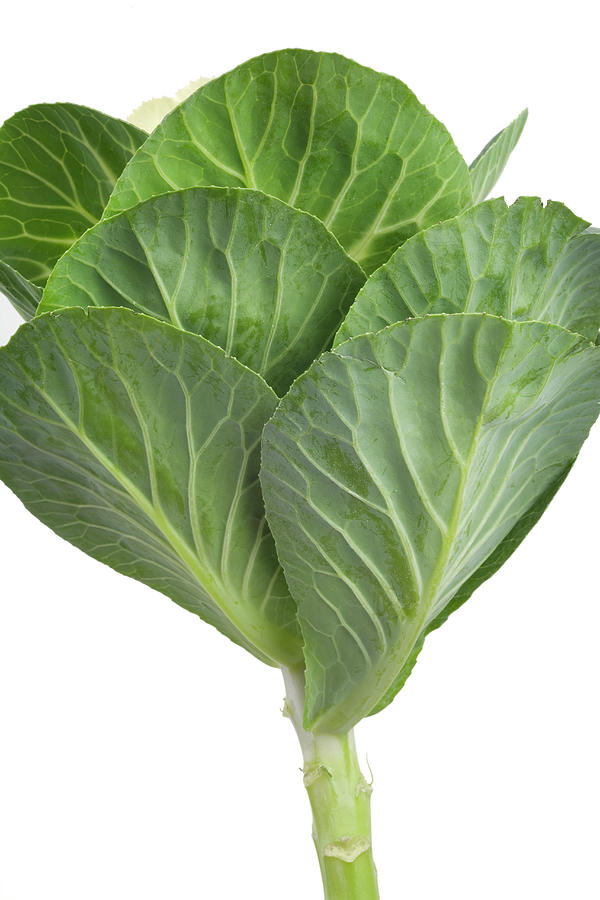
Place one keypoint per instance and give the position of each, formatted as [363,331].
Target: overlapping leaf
[396,466]
[58,165]
[525,261]
[350,145]
[266,282]
[139,443]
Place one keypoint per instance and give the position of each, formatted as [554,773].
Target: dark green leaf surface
[525,261]
[393,470]
[488,166]
[350,145]
[139,443]
[58,165]
[266,282]
[22,293]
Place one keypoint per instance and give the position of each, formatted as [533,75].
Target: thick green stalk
[341,804]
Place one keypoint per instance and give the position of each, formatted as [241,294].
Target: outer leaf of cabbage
[393,470]
[139,444]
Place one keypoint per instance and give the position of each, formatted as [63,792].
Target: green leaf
[139,444]
[486,169]
[58,165]
[22,293]
[495,561]
[525,261]
[266,282]
[393,470]
[350,145]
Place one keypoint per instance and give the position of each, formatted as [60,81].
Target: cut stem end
[340,799]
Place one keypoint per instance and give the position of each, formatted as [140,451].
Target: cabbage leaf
[139,443]
[266,282]
[58,165]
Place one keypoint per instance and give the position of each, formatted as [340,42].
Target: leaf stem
[340,799]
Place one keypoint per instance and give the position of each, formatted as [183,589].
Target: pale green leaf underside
[58,165]
[525,261]
[393,469]
[266,282]
[22,293]
[487,167]
[139,443]
[350,145]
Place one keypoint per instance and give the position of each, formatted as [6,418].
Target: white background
[142,756]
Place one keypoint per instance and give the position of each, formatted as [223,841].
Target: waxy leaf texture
[266,282]
[139,443]
[396,466]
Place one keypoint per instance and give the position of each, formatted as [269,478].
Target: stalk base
[340,799]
